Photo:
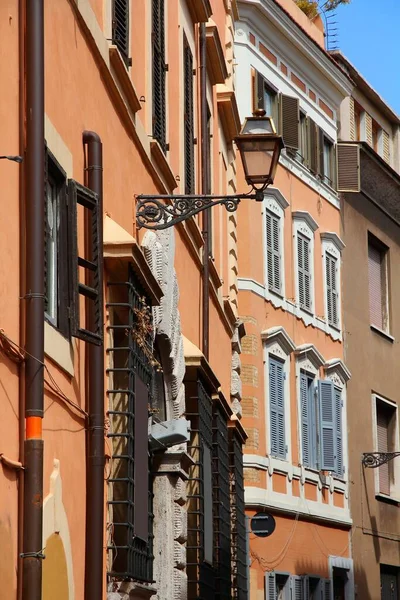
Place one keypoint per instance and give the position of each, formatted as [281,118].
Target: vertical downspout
[34,297]
[95,436]
[22,275]
[204,187]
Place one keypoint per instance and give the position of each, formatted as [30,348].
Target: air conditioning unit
[168,433]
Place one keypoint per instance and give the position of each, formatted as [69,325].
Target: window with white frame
[386,440]
[283,586]
[332,246]
[304,227]
[274,206]
[378,255]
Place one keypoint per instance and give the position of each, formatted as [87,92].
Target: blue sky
[369,36]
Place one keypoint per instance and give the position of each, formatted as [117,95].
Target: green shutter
[277,408]
[327,426]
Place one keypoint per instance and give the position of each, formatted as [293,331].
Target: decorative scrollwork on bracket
[161,212]
[372,460]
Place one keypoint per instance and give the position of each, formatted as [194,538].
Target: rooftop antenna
[331,29]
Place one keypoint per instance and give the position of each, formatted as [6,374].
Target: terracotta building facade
[120,347]
[294,372]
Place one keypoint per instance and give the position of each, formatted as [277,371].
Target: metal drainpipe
[204,186]
[22,282]
[34,297]
[94,553]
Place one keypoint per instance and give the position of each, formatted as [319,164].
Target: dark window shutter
[277,408]
[141,495]
[313,137]
[259,97]
[46,225]
[305,421]
[376,292]
[321,169]
[270,584]
[290,117]
[273,252]
[120,27]
[327,425]
[159,70]
[189,120]
[326,589]
[92,289]
[338,431]
[348,167]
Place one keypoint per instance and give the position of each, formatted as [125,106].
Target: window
[375,135]
[239,528]
[266,97]
[159,71]
[378,283]
[273,242]
[282,586]
[158,400]
[189,119]
[277,408]
[120,28]
[321,424]
[304,272]
[389,582]
[332,294]
[327,160]
[385,435]
[302,153]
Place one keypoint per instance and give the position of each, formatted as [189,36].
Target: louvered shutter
[327,425]
[270,586]
[304,274]
[305,421]
[332,297]
[375,286]
[273,252]
[289,121]
[46,225]
[352,119]
[297,588]
[159,70]
[259,97]
[348,167]
[368,128]
[306,587]
[321,165]
[313,145]
[338,431]
[277,408]
[120,27]
[326,589]
[188,120]
[385,146]
[382,426]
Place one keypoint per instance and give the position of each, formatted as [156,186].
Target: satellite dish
[262,524]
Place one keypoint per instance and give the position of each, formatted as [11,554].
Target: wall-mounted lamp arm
[17,159]
[373,460]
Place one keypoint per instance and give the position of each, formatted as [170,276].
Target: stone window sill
[384,334]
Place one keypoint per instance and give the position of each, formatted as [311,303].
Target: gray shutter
[327,425]
[305,421]
[348,168]
[304,274]
[141,444]
[297,588]
[270,586]
[306,587]
[382,426]
[332,296]
[289,121]
[375,286]
[326,589]
[338,431]
[273,252]
[277,408]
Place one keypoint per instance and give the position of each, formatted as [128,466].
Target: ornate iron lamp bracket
[163,211]
[373,460]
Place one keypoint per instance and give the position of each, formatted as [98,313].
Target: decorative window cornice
[303,215]
[335,366]
[280,336]
[278,197]
[309,351]
[330,236]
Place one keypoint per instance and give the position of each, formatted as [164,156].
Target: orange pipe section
[33,428]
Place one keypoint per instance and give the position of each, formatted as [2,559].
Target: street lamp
[259,147]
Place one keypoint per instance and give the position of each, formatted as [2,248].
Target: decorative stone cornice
[278,196]
[279,335]
[215,54]
[310,352]
[331,236]
[336,365]
[303,215]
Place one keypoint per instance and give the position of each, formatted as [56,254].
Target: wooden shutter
[313,146]
[259,89]
[188,120]
[385,146]
[332,296]
[277,408]
[159,70]
[273,252]
[46,226]
[382,427]
[320,150]
[297,588]
[120,27]
[352,119]
[338,431]
[305,421]
[304,274]
[327,425]
[375,286]
[92,289]
[141,475]
[270,586]
[289,121]
[348,168]
[368,128]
